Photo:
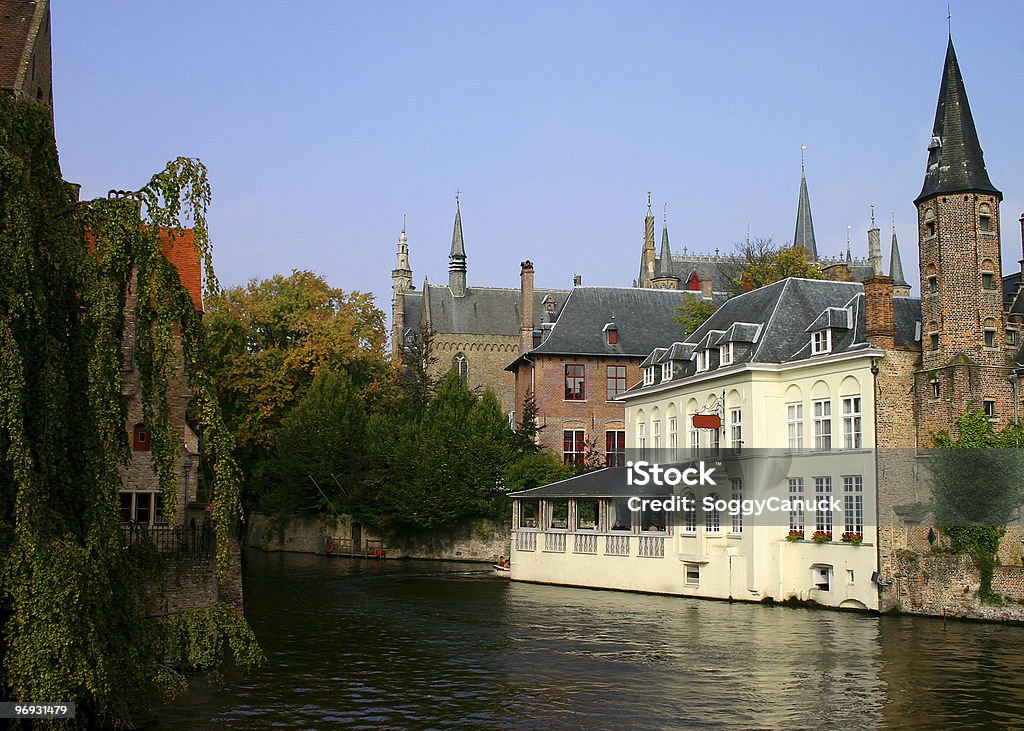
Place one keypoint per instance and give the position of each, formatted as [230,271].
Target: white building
[778,388]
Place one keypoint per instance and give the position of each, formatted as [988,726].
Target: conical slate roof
[804,236]
[458,248]
[665,260]
[895,265]
[955,161]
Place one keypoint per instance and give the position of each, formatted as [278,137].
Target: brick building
[25,66]
[583,356]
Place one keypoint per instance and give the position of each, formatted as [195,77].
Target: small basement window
[821,577]
[691,573]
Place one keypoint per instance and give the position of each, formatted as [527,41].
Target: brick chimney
[706,289]
[880,315]
[526,306]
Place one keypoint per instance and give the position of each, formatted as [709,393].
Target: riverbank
[478,540]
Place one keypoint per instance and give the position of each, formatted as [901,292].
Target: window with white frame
[666,371]
[853,504]
[796,493]
[615,448]
[673,438]
[822,424]
[737,496]
[574,446]
[691,573]
[689,513]
[145,508]
[795,426]
[851,423]
[694,441]
[715,445]
[649,375]
[656,437]
[703,361]
[712,517]
[823,496]
[725,354]
[821,341]
[641,438]
[736,428]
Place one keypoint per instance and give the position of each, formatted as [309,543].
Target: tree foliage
[991,464]
[693,313]
[70,600]
[759,262]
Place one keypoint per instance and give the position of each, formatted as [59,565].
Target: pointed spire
[665,268]
[804,236]
[425,312]
[457,257]
[895,264]
[955,159]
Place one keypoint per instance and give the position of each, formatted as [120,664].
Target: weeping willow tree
[71,605]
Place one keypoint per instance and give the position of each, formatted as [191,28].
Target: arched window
[929,222]
[461,366]
[690,514]
[985,217]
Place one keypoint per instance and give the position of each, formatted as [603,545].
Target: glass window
[933,284]
[461,366]
[673,438]
[616,380]
[649,375]
[641,439]
[615,449]
[586,514]
[620,517]
[737,495]
[821,342]
[690,513]
[691,572]
[575,389]
[990,408]
[990,338]
[725,354]
[853,504]
[936,390]
[143,507]
[988,280]
[823,496]
[573,446]
[851,423]
[656,437]
[796,516]
[822,425]
[795,426]
[558,514]
[695,441]
[528,513]
[736,428]
[652,521]
[712,517]
[126,507]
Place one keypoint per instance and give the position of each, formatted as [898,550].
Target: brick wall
[487,356]
[946,585]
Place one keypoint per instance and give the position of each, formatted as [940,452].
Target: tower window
[987,280]
[936,392]
[985,217]
[990,408]
[934,337]
[929,222]
[933,283]
[1011,337]
[461,366]
[990,338]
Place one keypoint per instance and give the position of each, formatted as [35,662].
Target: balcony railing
[585,543]
[526,541]
[616,546]
[196,541]
[652,547]
[554,542]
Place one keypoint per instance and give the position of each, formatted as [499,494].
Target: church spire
[804,236]
[955,161]
[457,257]
[666,277]
[896,266]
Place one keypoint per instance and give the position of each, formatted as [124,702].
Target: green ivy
[71,604]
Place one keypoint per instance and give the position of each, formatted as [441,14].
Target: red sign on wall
[707,421]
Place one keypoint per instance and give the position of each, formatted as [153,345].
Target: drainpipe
[878,483]
[1015,380]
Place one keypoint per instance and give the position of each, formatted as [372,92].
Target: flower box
[822,536]
[795,535]
[855,538]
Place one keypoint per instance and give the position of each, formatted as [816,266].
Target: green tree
[692,314]
[323,439]
[991,463]
[759,262]
[71,607]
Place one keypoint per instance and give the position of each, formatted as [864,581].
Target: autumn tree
[759,262]
[693,313]
[267,341]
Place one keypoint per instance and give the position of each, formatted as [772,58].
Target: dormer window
[821,341]
[649,376]
[666,371]
[703,361]
[725,354]
[611,333]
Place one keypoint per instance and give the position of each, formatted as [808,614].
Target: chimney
[526,306]
[577,280]
[880,314]
[875,248]
[705,289]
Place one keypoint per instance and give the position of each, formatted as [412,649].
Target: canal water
[402,645]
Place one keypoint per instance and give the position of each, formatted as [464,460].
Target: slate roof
[955,159]
[1012,301]
[665,261]
[17,24]
[804,234]
[644,318]
[482,311]
[896,264]
[776,320]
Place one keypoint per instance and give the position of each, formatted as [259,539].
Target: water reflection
[413,645]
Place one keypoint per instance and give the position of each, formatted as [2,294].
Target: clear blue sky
[323,122]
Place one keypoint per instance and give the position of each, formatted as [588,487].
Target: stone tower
[963,358]
[648,256]
[401,282]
